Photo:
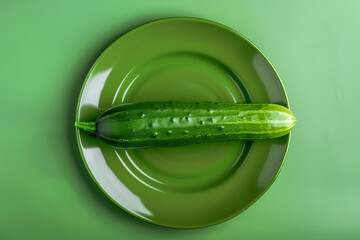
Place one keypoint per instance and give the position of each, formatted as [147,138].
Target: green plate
[191,60]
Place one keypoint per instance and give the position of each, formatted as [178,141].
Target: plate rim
[207,21]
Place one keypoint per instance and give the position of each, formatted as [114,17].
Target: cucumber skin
[160,124]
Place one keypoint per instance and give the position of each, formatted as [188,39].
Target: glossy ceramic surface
[182,59]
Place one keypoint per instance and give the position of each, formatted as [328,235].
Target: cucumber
[160,124]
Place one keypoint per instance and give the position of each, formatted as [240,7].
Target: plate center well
[183,76]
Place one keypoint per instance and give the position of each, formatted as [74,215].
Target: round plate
[183,59]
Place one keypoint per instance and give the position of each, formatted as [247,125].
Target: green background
[46,50]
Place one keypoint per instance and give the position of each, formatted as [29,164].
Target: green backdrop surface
[46,50]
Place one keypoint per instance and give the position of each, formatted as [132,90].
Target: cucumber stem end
[86,126]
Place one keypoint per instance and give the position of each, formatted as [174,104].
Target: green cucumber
[159,124]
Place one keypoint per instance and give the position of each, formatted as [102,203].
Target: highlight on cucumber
[163,124]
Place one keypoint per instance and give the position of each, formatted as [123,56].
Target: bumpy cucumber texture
[160,124]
